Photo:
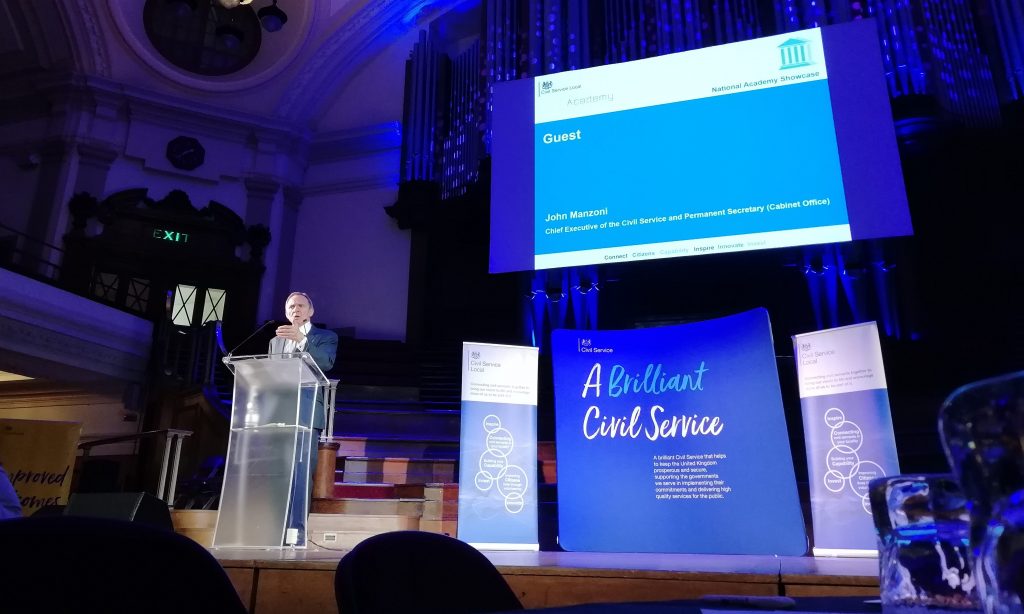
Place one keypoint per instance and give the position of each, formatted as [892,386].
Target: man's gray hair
[303,295]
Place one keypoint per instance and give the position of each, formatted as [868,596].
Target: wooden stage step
[325,530]
[439,424]
[433,501]
[362,469]
[352,505]
[344,531]
[197,525]
[366,490]
[397,447]
[369,524]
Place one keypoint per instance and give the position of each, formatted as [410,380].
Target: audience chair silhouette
[78,564]
[415,571]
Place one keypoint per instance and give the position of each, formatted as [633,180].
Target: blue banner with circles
[848,432]
[498,447]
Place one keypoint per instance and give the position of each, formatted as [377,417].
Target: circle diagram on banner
[495,471]
[845,469]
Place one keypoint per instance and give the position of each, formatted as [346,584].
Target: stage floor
[303,580]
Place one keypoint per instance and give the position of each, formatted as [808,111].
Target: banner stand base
[517,547]
[845,552]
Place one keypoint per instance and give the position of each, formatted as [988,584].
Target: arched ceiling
[297,75]
[352,40]
[277,55]
[40,35]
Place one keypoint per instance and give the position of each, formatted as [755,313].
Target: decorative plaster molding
[48,323]
[184,114]
[75,37]
[275,147]
[100,155]
[27,300]
[34,392]
[351,145]
[355,143]
[362,184]
[83,11]
[55,95]
[40,342]
[262,187]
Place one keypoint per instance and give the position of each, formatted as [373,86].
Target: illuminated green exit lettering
[170,235]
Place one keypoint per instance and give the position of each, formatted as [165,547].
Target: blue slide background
[606,487]
[750,148]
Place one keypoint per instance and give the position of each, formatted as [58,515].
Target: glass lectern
[264,500]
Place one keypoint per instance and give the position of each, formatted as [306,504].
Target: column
[261,194]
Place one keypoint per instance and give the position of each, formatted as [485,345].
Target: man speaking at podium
[322,345]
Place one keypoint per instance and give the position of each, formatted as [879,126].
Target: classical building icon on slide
[795,53]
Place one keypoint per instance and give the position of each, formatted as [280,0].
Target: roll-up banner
[848,432]
[498,447]
[674,439]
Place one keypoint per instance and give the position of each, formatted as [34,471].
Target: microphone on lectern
[254,333]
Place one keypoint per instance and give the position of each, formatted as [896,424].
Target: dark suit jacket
[322,345]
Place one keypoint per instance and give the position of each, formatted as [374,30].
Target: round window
[202,37]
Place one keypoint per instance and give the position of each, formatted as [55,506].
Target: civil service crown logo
[794,53]
[548,87]
[587,346]
[474,355]
[807,355]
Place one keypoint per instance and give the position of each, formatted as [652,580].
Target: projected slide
[717,155]
[775,142]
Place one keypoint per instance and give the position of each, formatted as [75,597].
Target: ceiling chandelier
[271,17]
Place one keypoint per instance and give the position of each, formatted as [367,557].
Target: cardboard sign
[39,457]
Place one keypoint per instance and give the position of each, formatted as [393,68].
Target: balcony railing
[29,256]
[171,457]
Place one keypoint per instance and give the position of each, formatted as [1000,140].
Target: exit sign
[170,235]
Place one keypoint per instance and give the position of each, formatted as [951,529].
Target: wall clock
[185,152]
